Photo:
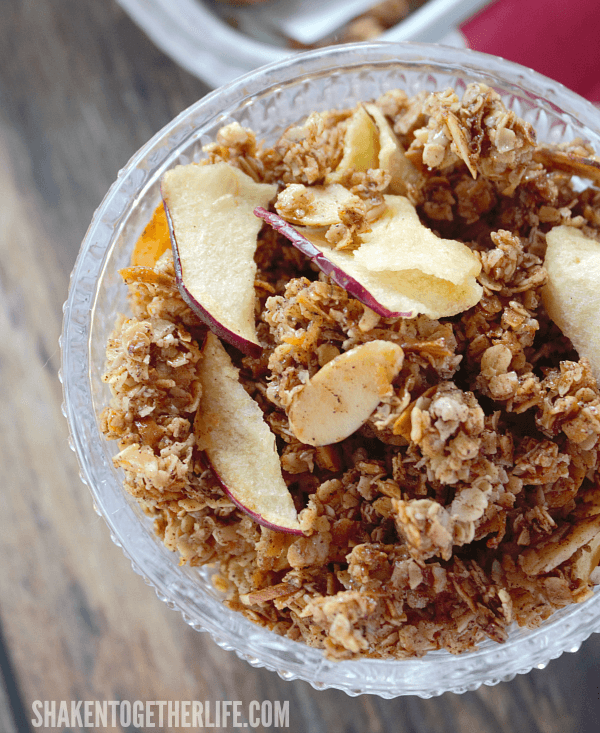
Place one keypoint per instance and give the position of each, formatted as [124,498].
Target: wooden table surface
[81,88]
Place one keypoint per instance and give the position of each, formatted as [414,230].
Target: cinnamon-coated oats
[469,500]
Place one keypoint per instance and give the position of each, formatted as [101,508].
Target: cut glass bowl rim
[437,672]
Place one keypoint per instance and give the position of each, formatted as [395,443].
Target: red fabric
[558,38]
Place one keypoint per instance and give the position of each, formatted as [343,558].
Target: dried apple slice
[445,268]
[153,241]
[370,142]
[371,289]
[342,395]
[571,295]
[391,294]
[399,241]
[231,430]
[392,157]
[361,143]
[214,235]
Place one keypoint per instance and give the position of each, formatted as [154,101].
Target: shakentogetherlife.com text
[61,714]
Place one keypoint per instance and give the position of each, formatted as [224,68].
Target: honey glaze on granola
[469,499]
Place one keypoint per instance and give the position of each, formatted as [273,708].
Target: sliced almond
[267,594]
[144,274]
[586,560]
[343,394]
[562,160]
[403,425]
[460,142]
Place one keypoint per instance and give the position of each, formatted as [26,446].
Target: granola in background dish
[467,498]
[375,19]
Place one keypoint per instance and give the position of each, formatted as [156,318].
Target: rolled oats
[469,500]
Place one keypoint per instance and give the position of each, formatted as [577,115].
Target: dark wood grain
[81,88]
[12,711]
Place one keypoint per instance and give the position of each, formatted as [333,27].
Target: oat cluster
[470,499]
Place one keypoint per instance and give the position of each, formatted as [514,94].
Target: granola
[469,500]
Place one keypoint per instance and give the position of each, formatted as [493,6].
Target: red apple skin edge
[258,518]
[350,285]
[245,346]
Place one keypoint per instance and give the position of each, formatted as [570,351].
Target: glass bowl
[268,100]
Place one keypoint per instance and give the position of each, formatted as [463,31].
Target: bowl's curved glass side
[336,77]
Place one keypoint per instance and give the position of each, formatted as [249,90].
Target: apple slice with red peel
[214,236]
[401,268]
[342,395]
[231,430]
[370,288]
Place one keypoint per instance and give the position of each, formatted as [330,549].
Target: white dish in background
[306,21]
[195,35]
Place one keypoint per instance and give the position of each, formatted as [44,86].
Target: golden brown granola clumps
[478,130]
[469,500]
